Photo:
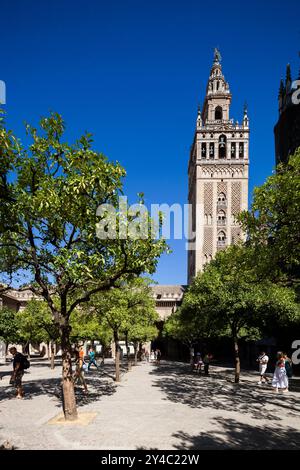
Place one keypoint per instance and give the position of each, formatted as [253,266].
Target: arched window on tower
[221,199]
[203,150]
[221,218]
[222,146]
[218,111]
[221,238]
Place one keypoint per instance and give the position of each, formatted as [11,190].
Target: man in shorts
[18,371]
[263,360]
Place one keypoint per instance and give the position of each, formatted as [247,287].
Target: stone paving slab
[154,407]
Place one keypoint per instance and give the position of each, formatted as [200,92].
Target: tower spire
[199,119]
[288,78]
[217,100]
[245,118]
[281,88]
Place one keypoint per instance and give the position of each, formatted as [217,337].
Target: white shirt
[264,359]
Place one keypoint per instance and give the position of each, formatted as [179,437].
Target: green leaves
[230,298]
[273,223]
[128,309]
[48,217]
[8,325]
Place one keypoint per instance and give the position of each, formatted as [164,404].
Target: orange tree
[50,193]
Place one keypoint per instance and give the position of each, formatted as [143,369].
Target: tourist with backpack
[20,363]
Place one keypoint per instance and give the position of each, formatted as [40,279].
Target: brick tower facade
[217,174]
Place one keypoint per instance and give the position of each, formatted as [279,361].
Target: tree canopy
[272,224]
[50,192]
[229,298]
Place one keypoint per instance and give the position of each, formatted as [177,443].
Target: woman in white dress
[280,379]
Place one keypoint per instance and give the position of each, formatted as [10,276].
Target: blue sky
[133,72]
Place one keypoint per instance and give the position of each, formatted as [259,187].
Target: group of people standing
[154,356]
[197,362]
[282,372]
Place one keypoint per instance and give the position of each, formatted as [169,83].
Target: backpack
[288,368]
[26,363]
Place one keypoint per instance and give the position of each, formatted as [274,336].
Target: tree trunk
[128,352]
[52,354]
[135,345]
[25,348]
[192,352]
[103,349]
[69,401]
[117,356]
[140,351]
[237,361]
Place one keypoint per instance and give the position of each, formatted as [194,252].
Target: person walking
[206,361]
[158,356]
[280,379]
[20,363]
[92,360]
[262,360]
[147,355]
[198,363]
[79,372]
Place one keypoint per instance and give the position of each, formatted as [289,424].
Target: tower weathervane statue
[217,56]
[217,173]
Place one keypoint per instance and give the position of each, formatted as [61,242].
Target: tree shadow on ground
[99,382]
[218,392]
[232,434]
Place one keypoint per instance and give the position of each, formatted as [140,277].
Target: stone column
[214,217]
[229,216]
[228,150]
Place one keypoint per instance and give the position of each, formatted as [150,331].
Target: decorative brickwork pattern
[208,241]
[236,195]
[208,198]
[235,235]
[222,188]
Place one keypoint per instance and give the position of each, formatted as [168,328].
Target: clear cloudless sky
[132,72]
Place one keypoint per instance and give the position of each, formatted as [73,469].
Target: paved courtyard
[154,407]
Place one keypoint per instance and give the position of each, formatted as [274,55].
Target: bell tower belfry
[218,173]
